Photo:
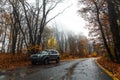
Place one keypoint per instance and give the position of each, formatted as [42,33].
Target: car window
[38,52]
[50,52]
[43,52]
[53,52]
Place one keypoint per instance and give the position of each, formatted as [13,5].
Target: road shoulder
[106,71]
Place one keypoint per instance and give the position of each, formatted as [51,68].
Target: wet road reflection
[81,69]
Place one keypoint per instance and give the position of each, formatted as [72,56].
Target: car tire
[46,61]
[57,60]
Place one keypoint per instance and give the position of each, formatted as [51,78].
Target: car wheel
[46,61]
[33,62]
[57,60]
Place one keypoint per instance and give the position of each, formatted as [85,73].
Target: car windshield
[42,52]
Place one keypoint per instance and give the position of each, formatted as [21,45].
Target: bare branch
[57,14]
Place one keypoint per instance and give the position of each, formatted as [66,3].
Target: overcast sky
[69,20]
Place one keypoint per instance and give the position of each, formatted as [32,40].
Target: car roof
[51,50]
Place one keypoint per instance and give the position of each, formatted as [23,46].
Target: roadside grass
[12,61]
[67,56]
[114,68]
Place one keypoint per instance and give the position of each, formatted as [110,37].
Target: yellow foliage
[84,52]
[94,54]
[52,43]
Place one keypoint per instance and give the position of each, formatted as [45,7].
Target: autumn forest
[24,30]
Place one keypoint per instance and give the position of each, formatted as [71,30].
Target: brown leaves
[6,17]
[10,61]
[112,67]
[1,31]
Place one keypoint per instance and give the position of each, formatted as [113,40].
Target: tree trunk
[114,26]
[102,32]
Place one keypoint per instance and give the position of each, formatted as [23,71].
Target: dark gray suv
[45,56]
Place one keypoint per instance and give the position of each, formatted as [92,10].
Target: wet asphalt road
[80,69]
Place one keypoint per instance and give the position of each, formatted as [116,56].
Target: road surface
[80,69]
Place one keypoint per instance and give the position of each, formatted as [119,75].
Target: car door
[52,55]
[55,55]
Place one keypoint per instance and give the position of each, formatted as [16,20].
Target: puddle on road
[68,75]
[50,65]
[21,73]
[2,76]
[12,75]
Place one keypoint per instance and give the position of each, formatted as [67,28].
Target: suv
[45,56]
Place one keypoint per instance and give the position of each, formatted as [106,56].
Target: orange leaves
[36,47]
[10,61]
[112,67]
[67,56]
[105,19]
[6,17]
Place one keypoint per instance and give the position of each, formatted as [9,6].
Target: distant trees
[23,28]
[101,15]
[78,45]
[23,24]
[68,42]
[46,35]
